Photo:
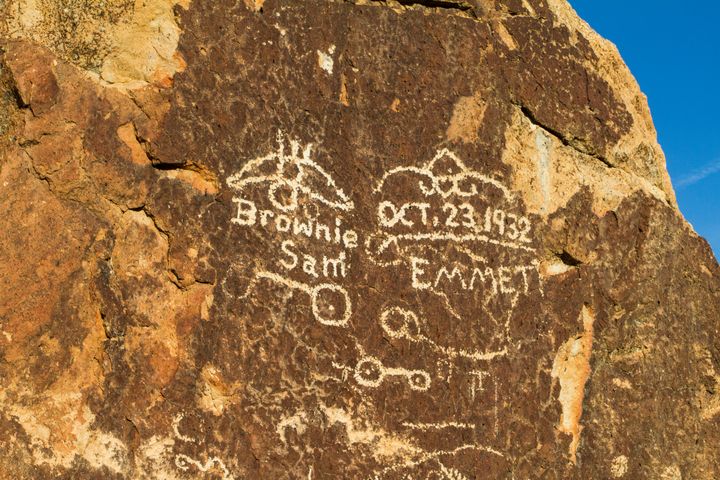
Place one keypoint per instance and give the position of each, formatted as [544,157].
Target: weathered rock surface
[324,239]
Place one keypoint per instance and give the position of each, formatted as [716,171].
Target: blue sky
[673,49]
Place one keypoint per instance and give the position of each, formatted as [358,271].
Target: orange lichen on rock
[572,369]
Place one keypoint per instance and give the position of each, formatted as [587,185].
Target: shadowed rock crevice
[452,7]
[197,176]
[576,144]
[460,6]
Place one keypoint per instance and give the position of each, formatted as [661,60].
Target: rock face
[342,240]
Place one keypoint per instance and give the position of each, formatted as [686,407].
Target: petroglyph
[439,426]
[457,204]
[447,175]
[249,215]
[476,384]
[400,323]
[412,238]
[370,372]
[213,464]
[433,275]
[444,205]
[386,446]
[176,429]
[287,198]
[395,451]
[297,189]
[396,215]
[288,174]
[451,473]
[328,267]
[330,303]
[437,456]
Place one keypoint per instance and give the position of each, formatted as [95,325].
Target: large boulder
[342,240]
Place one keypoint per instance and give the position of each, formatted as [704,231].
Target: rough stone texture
[500,285]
